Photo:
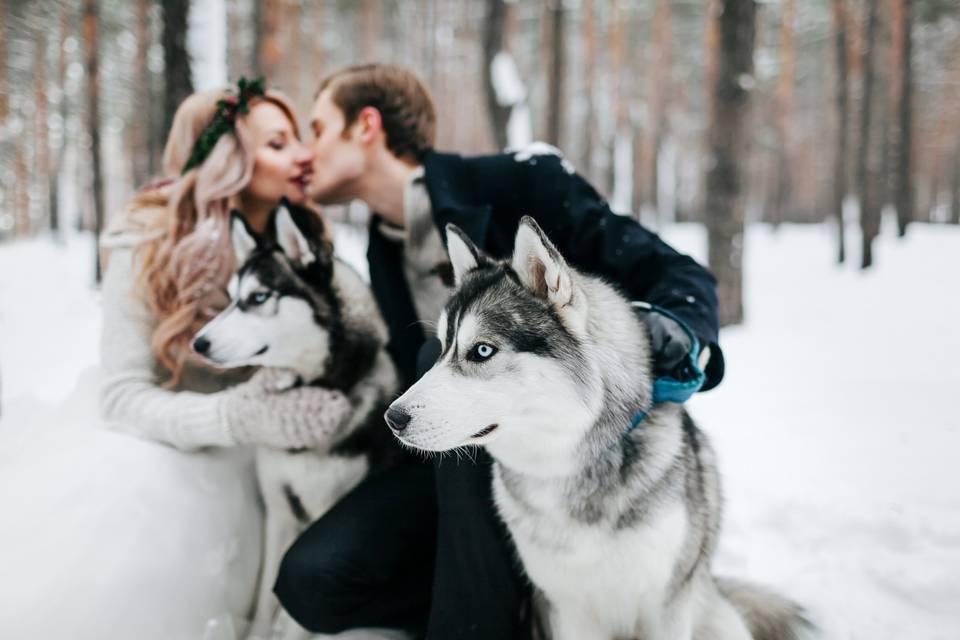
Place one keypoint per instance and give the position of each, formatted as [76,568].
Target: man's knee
[315,590]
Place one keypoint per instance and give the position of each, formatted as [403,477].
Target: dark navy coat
[487,195]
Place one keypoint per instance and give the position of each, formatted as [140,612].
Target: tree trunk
[295,50]
[711,49]
[955,188]
[90,19]
[556,68]
[4,103]
[177,81]
[65,28]
[727,141]
[905,189]
[784,110]
[142,127]
[266,42]
[372,19]
[658,88]
[21,213]
[866,152]
[492,45]
[840,150]
[616,43]
[318,42]
[934,195]
[41,138]
[588,48]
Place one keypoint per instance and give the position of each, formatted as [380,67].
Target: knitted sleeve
[131,398]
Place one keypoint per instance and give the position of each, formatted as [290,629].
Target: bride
[142,520]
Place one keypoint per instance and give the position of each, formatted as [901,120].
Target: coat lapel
[451,201]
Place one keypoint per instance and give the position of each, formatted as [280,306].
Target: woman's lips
[301,181]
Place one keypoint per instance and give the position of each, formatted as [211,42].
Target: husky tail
[768,616]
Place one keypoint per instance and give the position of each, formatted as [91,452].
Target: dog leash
[667,388]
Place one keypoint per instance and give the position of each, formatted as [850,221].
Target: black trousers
[418,547]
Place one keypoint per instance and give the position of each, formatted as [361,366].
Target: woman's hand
[270,410]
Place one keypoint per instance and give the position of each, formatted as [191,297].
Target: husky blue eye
[257,297]
[481,351]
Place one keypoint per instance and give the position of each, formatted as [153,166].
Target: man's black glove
[669,344]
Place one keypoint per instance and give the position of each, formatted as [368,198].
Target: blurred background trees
[721,112]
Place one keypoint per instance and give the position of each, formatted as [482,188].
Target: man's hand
[669,343]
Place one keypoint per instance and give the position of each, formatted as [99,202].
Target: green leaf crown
[225,119]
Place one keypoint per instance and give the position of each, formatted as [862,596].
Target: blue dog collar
[666,388]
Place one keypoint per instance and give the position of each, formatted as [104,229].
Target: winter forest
[806,151]
[679,111]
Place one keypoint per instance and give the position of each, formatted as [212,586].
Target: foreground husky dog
[547,367]
[295,306]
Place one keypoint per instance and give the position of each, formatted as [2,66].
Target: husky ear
[540,266]
[294,244]
[244,241]
[464,255]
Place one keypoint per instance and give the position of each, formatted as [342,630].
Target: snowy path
[835,426]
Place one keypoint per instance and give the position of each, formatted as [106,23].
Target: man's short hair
[405,105]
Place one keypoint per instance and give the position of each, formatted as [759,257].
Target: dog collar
[668,388]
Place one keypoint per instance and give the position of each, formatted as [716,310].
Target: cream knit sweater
[132,400]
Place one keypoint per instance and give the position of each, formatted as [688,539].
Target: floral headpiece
[225,119]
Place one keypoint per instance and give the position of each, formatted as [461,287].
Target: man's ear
[369,124]
[464,255]
[541,268]
[244,242]
[291,240]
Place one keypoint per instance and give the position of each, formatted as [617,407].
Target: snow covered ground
[835,425]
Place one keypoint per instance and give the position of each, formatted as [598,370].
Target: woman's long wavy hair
[182,224]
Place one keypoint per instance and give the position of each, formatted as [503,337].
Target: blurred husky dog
[295,306]
[546,367]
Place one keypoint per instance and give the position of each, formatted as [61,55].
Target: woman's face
[282,164]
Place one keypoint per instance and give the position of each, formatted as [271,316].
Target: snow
[529,152]
[621,200]
[520,125]
[836,433]
[507,83]
[511,92]
[49,319]
[834,427]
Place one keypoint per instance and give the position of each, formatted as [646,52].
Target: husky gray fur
[545,367]
[294,306]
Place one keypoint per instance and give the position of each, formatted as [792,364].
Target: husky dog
[547,368]
[297,307]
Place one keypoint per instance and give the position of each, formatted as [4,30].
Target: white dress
[127,528]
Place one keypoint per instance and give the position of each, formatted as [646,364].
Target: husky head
[282,309]
[513,374]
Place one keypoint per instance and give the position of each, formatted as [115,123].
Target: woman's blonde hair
[184,250]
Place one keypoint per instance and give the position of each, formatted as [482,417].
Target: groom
[421,547]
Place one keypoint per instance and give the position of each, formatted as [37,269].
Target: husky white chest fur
[610,601]
[298,309]
[547,367]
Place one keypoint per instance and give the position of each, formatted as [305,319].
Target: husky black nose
[201,345]
[398,419]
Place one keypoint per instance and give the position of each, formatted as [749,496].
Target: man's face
[339,159]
